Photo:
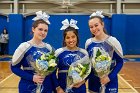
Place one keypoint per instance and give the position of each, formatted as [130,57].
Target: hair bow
[42,15]
[97,13]
[66,24]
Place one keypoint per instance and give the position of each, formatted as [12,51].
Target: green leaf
[98,53]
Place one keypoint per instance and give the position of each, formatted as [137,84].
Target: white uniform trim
[83,51]
[58,51]
[48,46]
[19,52]
[88,42]
[116,45]
[112,41]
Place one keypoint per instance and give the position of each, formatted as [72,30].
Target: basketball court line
[6,78]
[135,91]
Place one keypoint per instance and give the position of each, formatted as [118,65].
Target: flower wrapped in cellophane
[46,64]
[78,71]
[101,63]
[43,64]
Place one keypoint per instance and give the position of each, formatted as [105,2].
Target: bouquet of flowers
[77,72]
[101,63]
[44,65]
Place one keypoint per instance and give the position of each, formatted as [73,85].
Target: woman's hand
[38,79]
[77,85]
[104,80]
[59,90]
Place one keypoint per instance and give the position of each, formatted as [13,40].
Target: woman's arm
[117,68]
[16,69]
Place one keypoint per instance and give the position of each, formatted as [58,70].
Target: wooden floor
[131,73]
[129,78]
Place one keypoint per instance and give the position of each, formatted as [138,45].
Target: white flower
[43,57]
[52,63]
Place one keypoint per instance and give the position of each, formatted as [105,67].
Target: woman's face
[40,32]
[71,40]
[4,31]
[96,26]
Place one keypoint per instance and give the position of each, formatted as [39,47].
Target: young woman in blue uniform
[69,53]
[31,50]
[111,46]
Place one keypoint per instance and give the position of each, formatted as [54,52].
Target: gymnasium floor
[129,78]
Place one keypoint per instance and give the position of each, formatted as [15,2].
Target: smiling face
[96,26]
[40,32]
[71,40]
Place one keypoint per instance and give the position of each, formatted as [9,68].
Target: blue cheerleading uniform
[22,67]
[65,58]
[112,46]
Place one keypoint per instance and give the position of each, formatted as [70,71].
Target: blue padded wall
[107,23]
[15,31]
[28,27]
[118,29]
[133,34]
[3,22]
